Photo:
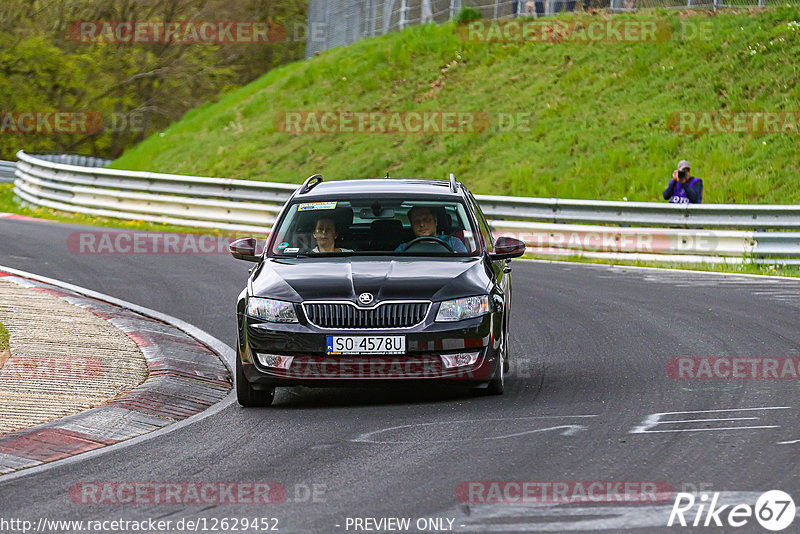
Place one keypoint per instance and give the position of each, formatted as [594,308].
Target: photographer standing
[684,188]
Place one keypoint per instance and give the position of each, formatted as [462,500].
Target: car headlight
[460,309]
[274,311]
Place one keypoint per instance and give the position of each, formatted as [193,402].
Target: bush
[468,14]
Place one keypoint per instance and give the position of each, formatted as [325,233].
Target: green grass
[598,113]
[10,204]
[4,337]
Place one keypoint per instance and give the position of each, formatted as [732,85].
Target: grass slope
[4,337]
[598,113]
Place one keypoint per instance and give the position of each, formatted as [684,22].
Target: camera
[682,175]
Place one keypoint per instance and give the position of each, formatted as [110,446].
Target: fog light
[275,361]
[461,359]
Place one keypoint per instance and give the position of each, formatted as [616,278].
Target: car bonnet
[345,278]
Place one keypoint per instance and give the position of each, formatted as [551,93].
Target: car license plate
[366,345]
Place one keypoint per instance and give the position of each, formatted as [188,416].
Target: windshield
[394,226]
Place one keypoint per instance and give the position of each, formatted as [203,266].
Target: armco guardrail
[240,205]
[690,233]
[7,169]
[559,210]
[74,159]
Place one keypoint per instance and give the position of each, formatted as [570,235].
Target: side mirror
[244,249]
[507,248]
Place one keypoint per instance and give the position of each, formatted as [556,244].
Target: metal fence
[688,233]
[334,23]
[74,159]
[341,22]
[7,169]
[633,5]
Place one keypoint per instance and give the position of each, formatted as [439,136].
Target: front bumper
[425,344]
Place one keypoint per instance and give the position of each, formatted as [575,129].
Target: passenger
[325,233]
[424,223]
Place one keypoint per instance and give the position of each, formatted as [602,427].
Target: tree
[137,88]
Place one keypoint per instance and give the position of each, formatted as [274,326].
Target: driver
[424,223]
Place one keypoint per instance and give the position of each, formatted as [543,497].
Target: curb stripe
[186,378]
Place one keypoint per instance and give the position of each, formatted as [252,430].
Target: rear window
[394,226]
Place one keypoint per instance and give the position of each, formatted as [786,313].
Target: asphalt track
[590,346]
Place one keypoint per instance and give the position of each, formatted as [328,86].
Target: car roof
[380,186]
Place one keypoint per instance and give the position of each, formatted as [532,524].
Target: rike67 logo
[774,510]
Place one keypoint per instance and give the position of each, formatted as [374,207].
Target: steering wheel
[430,239]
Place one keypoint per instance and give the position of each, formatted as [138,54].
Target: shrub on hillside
[469,14]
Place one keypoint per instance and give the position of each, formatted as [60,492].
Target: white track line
[225,353]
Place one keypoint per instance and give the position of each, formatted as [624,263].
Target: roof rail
[310,182]
[453,183]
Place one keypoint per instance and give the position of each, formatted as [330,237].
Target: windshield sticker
[308,206]
[292,250]
[282,245]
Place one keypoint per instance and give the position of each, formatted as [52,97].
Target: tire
[497,384]
[506,353]
[245,394]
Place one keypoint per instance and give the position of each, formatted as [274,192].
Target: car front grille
[385,315]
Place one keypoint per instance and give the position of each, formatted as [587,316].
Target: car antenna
[387,175]
[453,183]
[310,182]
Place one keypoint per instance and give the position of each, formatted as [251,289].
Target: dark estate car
[373,282]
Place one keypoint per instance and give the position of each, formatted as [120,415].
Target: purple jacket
[690,192]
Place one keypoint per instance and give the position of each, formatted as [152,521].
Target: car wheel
[506,351]
[498,384]
[246,395]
